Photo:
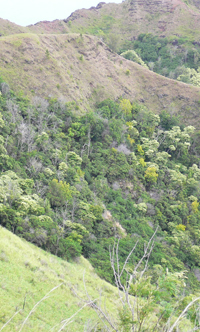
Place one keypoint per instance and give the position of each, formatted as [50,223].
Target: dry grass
[9,28]
[84,69]
[130,18]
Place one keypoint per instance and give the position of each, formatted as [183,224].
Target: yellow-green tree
[151,175]
[126,107]
[59,193]
[195,206]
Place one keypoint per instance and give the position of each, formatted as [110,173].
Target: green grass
[29,272]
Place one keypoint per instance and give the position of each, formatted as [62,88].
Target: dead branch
[35,306]
[10,319]
[183,314]
[125,289]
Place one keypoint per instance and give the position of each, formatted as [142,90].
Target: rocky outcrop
[74,16]
[153,6]
[79,13]
[100,5]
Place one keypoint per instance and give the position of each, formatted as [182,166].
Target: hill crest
[83,69]
[132,17]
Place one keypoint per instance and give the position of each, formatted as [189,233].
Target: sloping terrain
[133,17]
[82,68]
[48,27]
[81,180]
[130,18]
[10,28]
[195,3]
[28,273]
[52,62]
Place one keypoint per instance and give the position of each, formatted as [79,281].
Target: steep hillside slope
[10,28]
[82,68]
[27,274]
[133,17]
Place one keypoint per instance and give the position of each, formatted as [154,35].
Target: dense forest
[73,183]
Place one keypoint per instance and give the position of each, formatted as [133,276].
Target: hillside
[48,27]
[133,17]
[100,161]
[130,18]
[164,34]
[79,68]
[10,28]
[47,291]
[56,59]
[195,3]
[28,273]
[72,184]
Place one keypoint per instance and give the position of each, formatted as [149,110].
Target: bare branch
[128,257]
[98,308]
[146,250]
[158,320]
[183,313]
[10,319]
[116,275]
[35,306]
[68,321]
[124,289]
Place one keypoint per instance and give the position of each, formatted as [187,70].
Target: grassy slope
[130,18]
[28,273]
[28,270]
[84,69]
[10,28]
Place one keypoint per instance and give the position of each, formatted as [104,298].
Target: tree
[126,107]
[151,175]
[59,193]
[149,302]
[146,302]
[133,56]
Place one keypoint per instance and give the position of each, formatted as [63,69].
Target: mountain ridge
[132,17]
[57,60]
[82,68]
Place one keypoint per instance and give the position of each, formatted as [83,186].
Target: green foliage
[125,319]
[168,121]
[41,272]
[190,76]
[71,183]
[151,175]
[174,57]
[126,107]
[59,193]
[109,109]
[47,53]
[132,55]
[70,247]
